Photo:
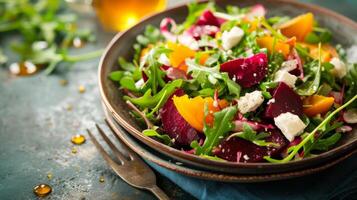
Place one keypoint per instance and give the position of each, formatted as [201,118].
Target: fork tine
[102,151]
[116,152]
[112,127]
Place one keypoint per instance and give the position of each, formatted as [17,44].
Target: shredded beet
[197,31]
[175,125]
[285,100]
[257,11]
[208,18]
[247,71]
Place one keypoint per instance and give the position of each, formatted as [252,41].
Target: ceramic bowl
[344,31]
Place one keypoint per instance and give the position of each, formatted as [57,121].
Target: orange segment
[299,26]
[179,54]
[268,42]
[192,109]
[327,51]
[317,104]
[203,58]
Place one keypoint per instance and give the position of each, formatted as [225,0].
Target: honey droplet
[63,82]
[49,176]
[74,150]
[42,190]
[81,89]
[101,179]
[23,68]
[69,107]
[78,139]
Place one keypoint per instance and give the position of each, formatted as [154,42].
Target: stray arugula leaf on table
[46,31]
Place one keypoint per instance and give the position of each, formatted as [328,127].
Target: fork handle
[159,193]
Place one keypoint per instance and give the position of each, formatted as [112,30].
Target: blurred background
[120,15]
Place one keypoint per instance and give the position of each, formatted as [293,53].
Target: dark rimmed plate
[151,155]
[344,32]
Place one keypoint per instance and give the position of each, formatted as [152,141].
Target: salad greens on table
[233,85]
[46,32]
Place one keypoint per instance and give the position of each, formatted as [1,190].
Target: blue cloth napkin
[338,182]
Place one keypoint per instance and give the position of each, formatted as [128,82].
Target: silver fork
[131,168]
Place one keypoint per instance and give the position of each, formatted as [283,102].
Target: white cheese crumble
[250,101]
[286,77]
[340,69]
[289,65]
[290,125]
[231,38]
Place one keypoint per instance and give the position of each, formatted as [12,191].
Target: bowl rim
[170,151]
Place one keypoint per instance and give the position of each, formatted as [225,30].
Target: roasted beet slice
[284,100]
[175,125]
[207,18]
[247,71]
[245,151]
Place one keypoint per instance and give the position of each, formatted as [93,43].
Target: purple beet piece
[175,125]
[285,100]
[207,18]
[247,71]
[245,151]
[197,31]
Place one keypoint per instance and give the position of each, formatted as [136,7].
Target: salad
[234,85]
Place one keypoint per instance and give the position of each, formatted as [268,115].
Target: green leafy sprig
[311,136]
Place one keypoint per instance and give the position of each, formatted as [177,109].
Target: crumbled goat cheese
[250,101]
[231,38]
[340,69]
[290,125]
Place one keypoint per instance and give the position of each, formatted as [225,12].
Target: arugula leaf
[221,126]
[235,10]
[318,35]
[116,75]
[228,25]
[43,22]
[153,133]
[149,101]
[155,75]
[203,74]
[233,87]
[265,86]
[310,87]
[326,143]
[151,36]
[249,134]
[351,83]
[194,11]
[275,62]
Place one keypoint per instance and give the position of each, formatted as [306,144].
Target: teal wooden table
[38,116]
